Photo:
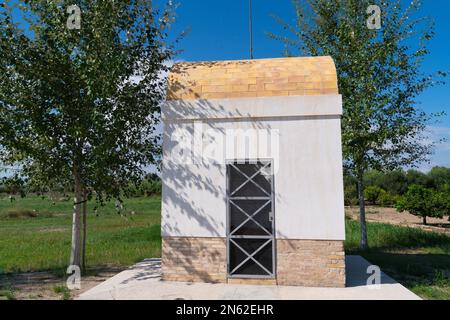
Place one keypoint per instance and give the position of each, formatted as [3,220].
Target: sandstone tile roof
[296,76]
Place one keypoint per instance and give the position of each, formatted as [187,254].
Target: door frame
[272,200]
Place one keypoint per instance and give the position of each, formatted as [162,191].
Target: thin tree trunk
[75,253]
[362,212]
[424,219]
[84,229]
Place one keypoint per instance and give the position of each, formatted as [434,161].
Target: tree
[373,178]
[387,199]
[395,181]
[424,202]
[350,192]
[379,73]
[80,93]
[439,177]
[417,177]
[372,194]
[14,185]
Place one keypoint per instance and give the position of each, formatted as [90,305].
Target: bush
[424,202]
[15,213]
[146,187]
[14,185]
[350,190]
[417,177]
[379,196]
[350,196]
[150,187]
[372,194]
[20,213]
[395,182]
[388,200]
[439,176]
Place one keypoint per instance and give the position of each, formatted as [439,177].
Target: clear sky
[218,30]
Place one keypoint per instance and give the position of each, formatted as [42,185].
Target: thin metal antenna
[250,27]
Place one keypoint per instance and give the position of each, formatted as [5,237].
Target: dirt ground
[390,215]
[48,286]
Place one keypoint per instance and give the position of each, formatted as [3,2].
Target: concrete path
[143,281]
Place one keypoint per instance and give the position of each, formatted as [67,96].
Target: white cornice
[261,107]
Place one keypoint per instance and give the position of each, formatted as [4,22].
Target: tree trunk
[424,219]
[75,253]
[84,229]
[362,212]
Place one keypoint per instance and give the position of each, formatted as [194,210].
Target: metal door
[250,223]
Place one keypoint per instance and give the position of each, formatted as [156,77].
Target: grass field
[35,236]
[43,242]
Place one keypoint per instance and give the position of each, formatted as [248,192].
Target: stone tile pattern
[194,259]
[318,263]
[310,263]
[297,76]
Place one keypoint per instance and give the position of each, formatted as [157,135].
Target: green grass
[43,242]
[63,291]
[386,236]
[35,236]
[7,295]
[418,259]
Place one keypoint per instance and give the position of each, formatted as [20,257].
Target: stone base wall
[194,259]
[311,263]
[318,263]
[251,281]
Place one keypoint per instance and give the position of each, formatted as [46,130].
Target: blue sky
[218,30]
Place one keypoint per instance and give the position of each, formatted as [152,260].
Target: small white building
[252,173]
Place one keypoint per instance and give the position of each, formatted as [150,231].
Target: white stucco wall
[305,138]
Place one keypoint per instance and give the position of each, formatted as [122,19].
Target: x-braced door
[250,226]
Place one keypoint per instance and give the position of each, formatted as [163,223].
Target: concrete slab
[143,282]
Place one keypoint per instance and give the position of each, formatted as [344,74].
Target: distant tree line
[16,186]
[422,194]
[385,188]
[149,186]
